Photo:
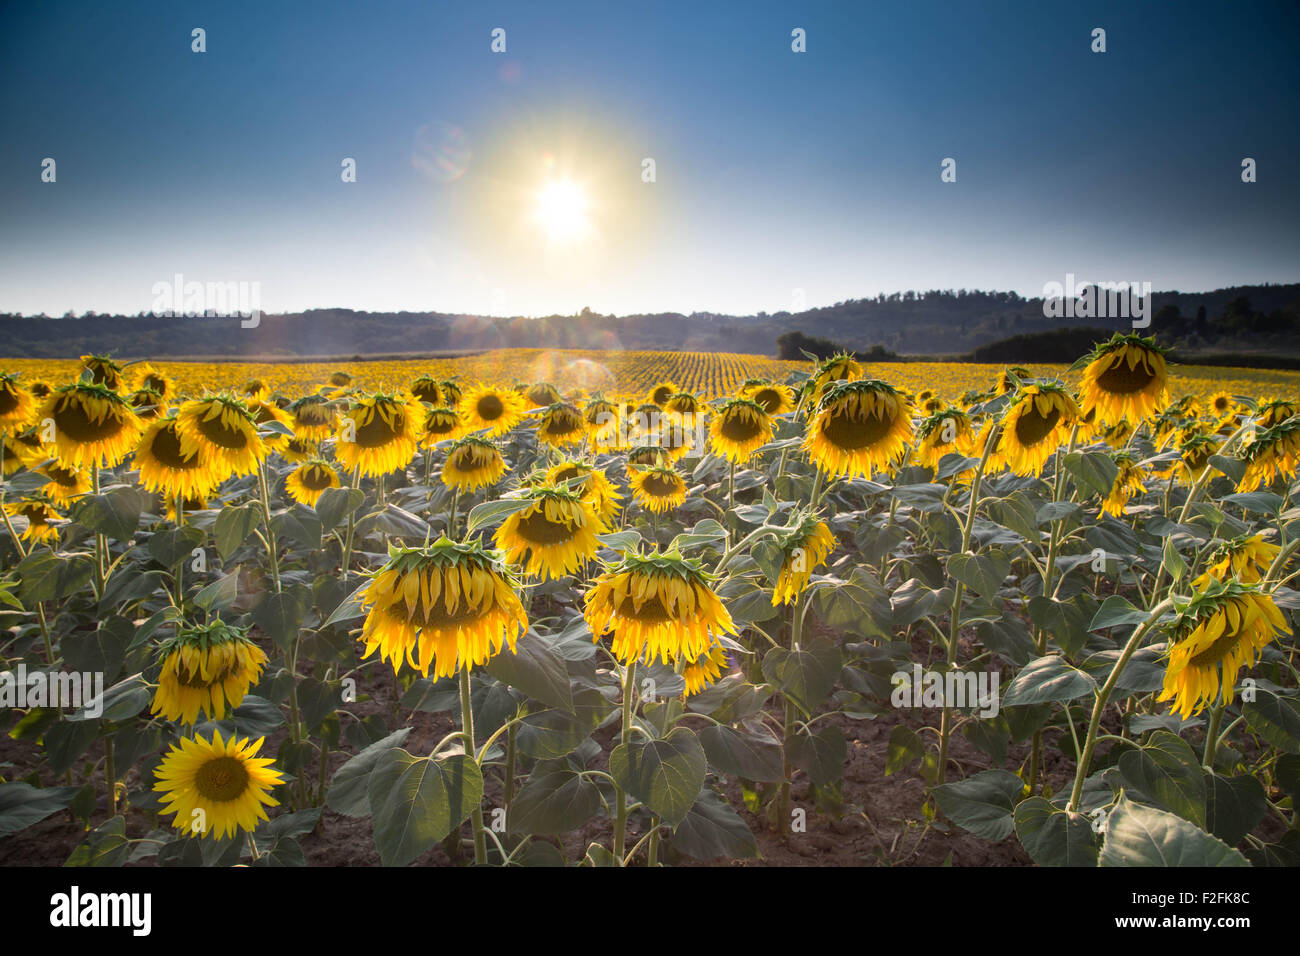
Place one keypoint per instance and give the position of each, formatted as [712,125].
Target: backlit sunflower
[648,456]
[22,450]
[216,788]
[441,424]
[838,368]
[1035,425]
[448,605]
[1245,559]
[1125,379]
[472,463]
[1272,454]
[92,424]
[496,410]
[561,424]
[804,548]
[427,389]
[314,418]
[379,434]
[1194,457]
[147,378]
[657,607]
[684,403]
[206,668]
[40,519]
[739,429]
[1222,403]
[451,392]
[219,430]
[1128,482]
[102,371]
[542,395]
[859,426]
[705,670]
[146,403]
[296,450]
[771,398]
[945,432]
[1006,381]
[253,388]
[66,484]
[659,394]
[1220,632]
[555,534]
[40,389]
[591,486]
[659,489]
[309,480]
[168,470]
[604,420]
[263,413]
[17,404]
[1118,435]
[1274,411]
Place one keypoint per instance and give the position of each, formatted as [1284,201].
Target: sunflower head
[684,403]
[451,392]
[314,418]
[658,606]
[1037,422]
[659,394]
[555,534]
[705,670]
[588,483]
[739,429]
[101,370]
[648,456]
[1222,404]
[604,423]
[946,431]
[253,388]
[40,516]
[1273,453]
[494,410]
[221,430]
[1222,630]
[472,463]
[1274,411]
[1129,481]
[542,395]
[17,404]
[379,434]
[441,424]
[206,668]
[658,489]
[216,788]
[148,378]
[426,389]
[561,424]
[804,547]
[1245,558]
[447,605]
[92,424]
[67,482]
[1125,379]
[841,367]
[308,481]
[859,426]
[770,397]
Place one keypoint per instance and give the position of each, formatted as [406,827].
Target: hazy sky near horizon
[511,183]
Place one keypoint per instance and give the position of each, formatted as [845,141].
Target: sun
[562,211]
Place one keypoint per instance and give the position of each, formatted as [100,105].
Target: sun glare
[562,211]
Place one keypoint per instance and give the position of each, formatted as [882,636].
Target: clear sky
[511,183]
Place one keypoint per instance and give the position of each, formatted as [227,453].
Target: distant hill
[1263,319]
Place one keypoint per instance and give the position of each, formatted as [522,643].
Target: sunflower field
[641,609]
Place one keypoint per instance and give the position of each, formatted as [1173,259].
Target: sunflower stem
[352,526]
[99,537]
[620,809]
[271,549]
[1212,736]
[467,734]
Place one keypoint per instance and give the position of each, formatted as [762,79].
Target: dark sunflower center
[62,476]
[645,456]
[566,473]
[846,431]
[73,421]
[735,428]
[541,396]
[166,448]
[426,392]
[155,382]
[660,486]
[8,401]
[652,611]
[222,435]
[662,395]
[223,779]
[377,433]
[1119,379]
[535,529]
[1216,651]
[316,479]
[1032,427]
[190,678]
[768,399]
[436,616]
[563,424]
[1220,404]
[440,426]
[490,407]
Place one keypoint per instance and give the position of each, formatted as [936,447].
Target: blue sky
[775,171]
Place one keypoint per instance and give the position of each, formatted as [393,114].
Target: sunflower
[253,388]
[1194,457]
[495,410]
[842,367]
[605,424]
[296,450]
[451,392]
[441,424]
[1006,381]
[166,468]
[556,533]
[1245,558]
[379,434]
[22,449]
[92,424]
[1274,411]
[146,403]
[944,432]
[314,418]
[1128,482]
[561,424]
[657,606]
[1274,453]
[659,394]
[1119,434]
[40,390]
[340,379]
[1037,422]
[216,788]
[17,404]
[659,489]
[66,482]
[1222,630]
[705,670]
[648,456]
[859,425]
[220,429]
[771,398]
[1222,404]
[739,429]
[472,463]
[450,605]
[101,370]
[1125,379]
[40,519]
[684,403]
[189,505]
[805,547]
[206,668]
[542,395]
[426,389]
[148,378]
[309,480]
[591,486]
[263,412]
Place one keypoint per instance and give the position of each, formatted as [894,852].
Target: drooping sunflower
[263,413]
[40,517]
[148,378]
[314,418]
[472,463]
[379,434]
[307,482]
[684,403]
[495,410]
[253,388]
[657,607]
[1245,558]
[604,424]
[296,450]
[1129,478]
[427,389]
[167,469]
[102,370]
[542,395]
[804,548]
[561,424]
[448,605]
[17,404]
[1194,456]
[859,426]
[944,432]
[40,389]
[21,450]
[340,379]
[590,484]
[1035,425]
[770,397]
[739,429]
[555,534]
[220,431]
[1125,379]
[1274,453]
[1007,379]
[660,393]
[92,424]
[146,403]
[206,668]
[1119,434]
[706,669]
[648,456]
[451,392]
[1274,411]
[1220,632]
[216,788]
[659,489]
[66,484]
[842,367]
[441,424]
